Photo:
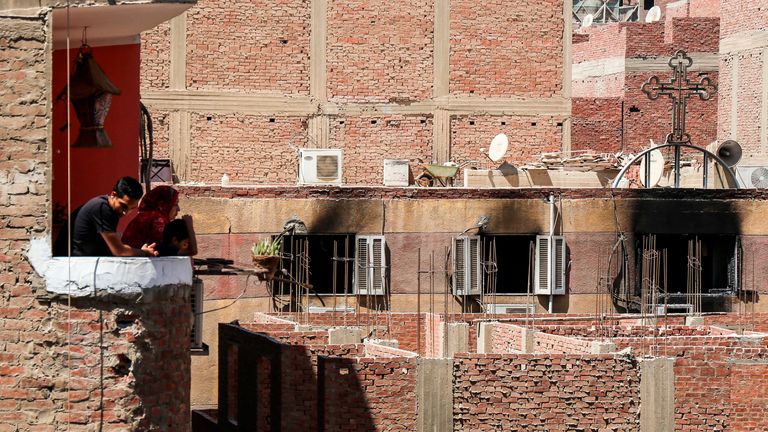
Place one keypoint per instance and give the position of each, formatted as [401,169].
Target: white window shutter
[459,265]
[542,274]
[370,265]
[560,265]
[467,264]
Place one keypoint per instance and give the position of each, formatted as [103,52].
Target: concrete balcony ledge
[119,277]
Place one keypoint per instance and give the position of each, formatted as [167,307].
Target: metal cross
[679,88]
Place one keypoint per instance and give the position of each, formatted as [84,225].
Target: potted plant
[266,256]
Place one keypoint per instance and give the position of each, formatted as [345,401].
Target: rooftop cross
[679,88]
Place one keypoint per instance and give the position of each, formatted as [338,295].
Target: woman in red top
[157,208]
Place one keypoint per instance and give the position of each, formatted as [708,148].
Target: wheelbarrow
[438,175]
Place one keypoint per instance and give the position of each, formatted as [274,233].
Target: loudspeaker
[730,152]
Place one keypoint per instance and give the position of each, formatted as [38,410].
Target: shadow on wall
[675,216]
[266,385]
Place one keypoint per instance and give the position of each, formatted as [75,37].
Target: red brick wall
[250,149]
[528,136]
[549,343]
[299,383]
[569,392]
[367,141]
[248,45]
[506,339]
[156,57]
[742,15]
[749,397]
[603,42]
[380,53]
[654,120]
[369,394]
[596,124]
[506,48]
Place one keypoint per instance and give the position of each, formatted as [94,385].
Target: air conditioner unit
[196,300]
[674,308]
[320,166]
[752,177]
[510,308]
[396,172]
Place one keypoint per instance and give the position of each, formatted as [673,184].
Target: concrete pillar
[528,344]
[455,339]
[657,395]
[484,338]
[694,321]
[434,389]
[344,335]
[599,347]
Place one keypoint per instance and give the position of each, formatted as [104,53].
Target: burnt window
[324,261]
[511,257]
[688,262]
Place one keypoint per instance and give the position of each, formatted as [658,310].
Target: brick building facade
[610,65]
[78,350]
[430,80]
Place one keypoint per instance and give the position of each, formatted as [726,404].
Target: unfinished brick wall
[506,338]
[379,53]
[368,394]
[134,356]
[572,392]
[506,49]
[549,343]
[299,384]
[255,46]
[749,397]
[742,15]
[528,136]
[600,42]
[367,140]
[249,149]
[400,326]
[156,57]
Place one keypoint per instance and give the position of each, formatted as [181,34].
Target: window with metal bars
[507,260]
[713,262]
[324,261]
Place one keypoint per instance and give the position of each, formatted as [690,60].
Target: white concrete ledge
[106,276]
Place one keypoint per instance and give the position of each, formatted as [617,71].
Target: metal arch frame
[647,154]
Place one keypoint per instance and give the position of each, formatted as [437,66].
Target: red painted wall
[94,171]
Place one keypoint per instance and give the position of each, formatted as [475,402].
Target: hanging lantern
[91,94]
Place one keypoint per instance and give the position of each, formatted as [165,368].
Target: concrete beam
[694,321]
[528,344]
[657,395]
[178,67]
[455,339]
[434,388]
[744,41]
[344,335]
[484,338]
[599,347]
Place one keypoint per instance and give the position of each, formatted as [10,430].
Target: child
[176,239]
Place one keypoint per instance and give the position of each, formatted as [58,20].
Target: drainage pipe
[551,201]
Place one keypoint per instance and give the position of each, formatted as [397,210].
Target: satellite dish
[657,168]
[653,15]
[730,152]
[498,147]
[587,21]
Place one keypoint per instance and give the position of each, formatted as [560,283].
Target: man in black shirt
[94,232]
